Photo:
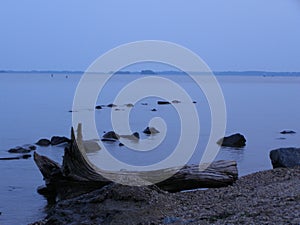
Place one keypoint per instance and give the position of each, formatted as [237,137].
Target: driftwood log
[77,175]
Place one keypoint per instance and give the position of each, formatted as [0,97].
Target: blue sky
[228,35]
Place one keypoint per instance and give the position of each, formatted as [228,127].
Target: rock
[121,144]
[56,140]
[288,132]
[98,107]
[9,158]
[153,110]
[43,142]
[26,156]
[285,157]
[194,102]
[150,130]
[136,134]
[129,105]
[29,146]
[111,135]
[163,102]
[108,140]
[111,105]
[235,141]
[23,149]
[91,146]
[147,72]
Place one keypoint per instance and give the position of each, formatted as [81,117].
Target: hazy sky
[227,34]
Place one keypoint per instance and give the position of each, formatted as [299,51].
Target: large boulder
[43,142]
[285,157]
[56,140]
[235,141]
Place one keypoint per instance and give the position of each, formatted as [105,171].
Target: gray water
[37,105]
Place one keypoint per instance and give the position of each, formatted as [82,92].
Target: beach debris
[236,141]
[43,142]
[288,132]
[78,176]
[176,101]
[285,157]
[150,130]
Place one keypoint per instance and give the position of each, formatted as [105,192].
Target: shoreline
[271,197]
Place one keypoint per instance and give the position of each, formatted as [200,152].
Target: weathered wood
[78,175]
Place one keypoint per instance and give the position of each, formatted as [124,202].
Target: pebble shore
[267,197]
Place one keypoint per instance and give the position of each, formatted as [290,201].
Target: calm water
[36,105]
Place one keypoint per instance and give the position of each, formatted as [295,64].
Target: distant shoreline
[150,72]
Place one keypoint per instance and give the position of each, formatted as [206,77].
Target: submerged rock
[24,156]
[43,142]
[22,149]
[236,141]
[56,140]
[285,157]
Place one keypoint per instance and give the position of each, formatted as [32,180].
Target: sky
[228,35]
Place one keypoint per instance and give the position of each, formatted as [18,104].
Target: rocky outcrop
[235,141]
[285,157]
